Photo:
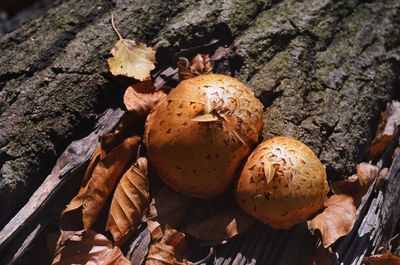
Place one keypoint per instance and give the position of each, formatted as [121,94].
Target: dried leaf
[387,129]
[131,58]
[221,227]
[142,97]
[104,177]
[87,204]
[130,201]
[168,250]
[166,208]
[357,185]
[87,247]
[384,259]
[200,64]
[336,220]
[366,175]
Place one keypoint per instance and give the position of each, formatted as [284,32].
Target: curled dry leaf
[200,64]
[221,227]
[387,129]
[142,97]
[87,247]
[357,185]
[384,259]
[366,174]
[87,204]
[166,208]
[130,201]
[104,177]
[169,250]
[131,58]
[336,220]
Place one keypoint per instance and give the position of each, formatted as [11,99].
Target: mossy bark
[323,69]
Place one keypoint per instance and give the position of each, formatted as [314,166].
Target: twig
[113,26]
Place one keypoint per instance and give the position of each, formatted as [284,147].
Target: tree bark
[322,68]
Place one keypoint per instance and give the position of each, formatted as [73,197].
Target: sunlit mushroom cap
[197,137]
[282,183]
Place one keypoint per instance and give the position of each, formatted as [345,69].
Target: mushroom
[282,183]
[199,134]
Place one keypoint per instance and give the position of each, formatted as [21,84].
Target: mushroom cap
[282,183]
[199,134]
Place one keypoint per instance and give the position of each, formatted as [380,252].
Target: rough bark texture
[322,68]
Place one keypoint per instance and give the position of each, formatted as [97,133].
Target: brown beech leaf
[200,64]
[166,208]
[357,185]
[169,250]
[131,58]
[87,204]
[130,201]
[221,227]
[142,97]
[104,177]
[87,247]
[336,220]
[387,129]
[384,259]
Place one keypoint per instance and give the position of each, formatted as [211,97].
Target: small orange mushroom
[282,183]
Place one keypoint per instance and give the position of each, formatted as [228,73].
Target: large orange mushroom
[199,134]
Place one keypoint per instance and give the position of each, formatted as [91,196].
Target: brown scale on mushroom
[282,183]
[222,117]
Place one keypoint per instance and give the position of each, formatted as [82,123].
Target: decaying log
[73,158]
[323,69]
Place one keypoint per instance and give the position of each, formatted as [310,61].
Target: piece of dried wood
[139,247]
[377,218]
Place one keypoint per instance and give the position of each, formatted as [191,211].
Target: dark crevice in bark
[268,97]
[58,70]
[11,76]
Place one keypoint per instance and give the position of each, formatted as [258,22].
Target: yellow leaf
[131,58]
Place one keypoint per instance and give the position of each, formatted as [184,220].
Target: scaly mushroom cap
[282,183]
[198,135]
